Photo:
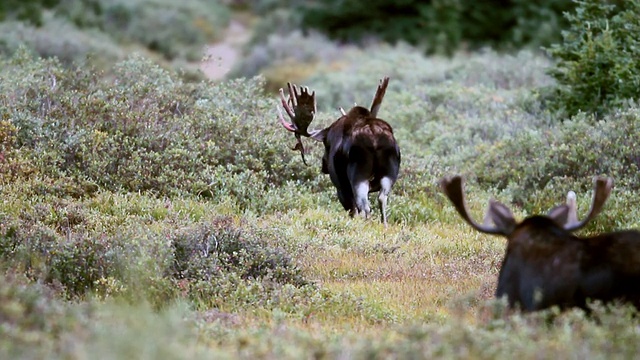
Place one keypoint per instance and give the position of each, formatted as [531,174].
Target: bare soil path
[220,57]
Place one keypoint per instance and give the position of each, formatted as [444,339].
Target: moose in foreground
[546,265]
[361,154]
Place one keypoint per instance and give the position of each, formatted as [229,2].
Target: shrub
[87,264]
[57,38]
[565,157]
[209,249]
[440,109]
[598,64]
[25,10]
[76,264]
[439,26]
[7,139]
[33,322]
[290,51]
[212,259]
[146,130]
[174,29]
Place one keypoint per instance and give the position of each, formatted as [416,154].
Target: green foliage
[176,213]
[57,38]
[7,138]
[145,130]
[289,52]
[25,10]
[564,157]
[212,258]
[599,58]
[209,260]
[174,29]
[529,336]
[440,26]
[76,264]
[72,30]
[32,320]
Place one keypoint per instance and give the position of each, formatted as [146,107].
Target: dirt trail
[220,57]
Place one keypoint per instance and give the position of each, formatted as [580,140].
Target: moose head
[546,265]
[361,154]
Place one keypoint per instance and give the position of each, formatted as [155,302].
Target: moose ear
[498,214]
[501,216]
[560,214]
[319,135]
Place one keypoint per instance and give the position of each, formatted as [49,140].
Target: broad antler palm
[301,108]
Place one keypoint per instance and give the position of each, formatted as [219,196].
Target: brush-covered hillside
[146,213]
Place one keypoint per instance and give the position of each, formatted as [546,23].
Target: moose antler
[501,216]
[377,98]
[301,108]
[497,213]
[601,190]
[572,217]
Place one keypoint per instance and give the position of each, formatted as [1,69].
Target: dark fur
[359,147]
[545,265]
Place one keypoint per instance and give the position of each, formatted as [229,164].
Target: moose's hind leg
[358,174]
[385,188]
[361,192]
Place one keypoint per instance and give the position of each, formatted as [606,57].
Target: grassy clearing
[414,278]
[142,216]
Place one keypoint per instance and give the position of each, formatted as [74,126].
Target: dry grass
[417,289]
[416,272]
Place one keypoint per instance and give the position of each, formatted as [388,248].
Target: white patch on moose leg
[361,191]
[385,189]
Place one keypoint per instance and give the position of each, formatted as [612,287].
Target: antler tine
[293,94]
[289,126]
[305,91]
[286,102]
[377,98]
[452,187]
[601,190]
[572,217]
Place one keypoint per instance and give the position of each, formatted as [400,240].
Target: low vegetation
[146,216]
[103,32]
[599,66]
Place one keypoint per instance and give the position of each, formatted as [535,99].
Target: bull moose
[361,154]
[546,265]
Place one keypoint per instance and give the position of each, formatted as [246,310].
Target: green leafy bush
[57,38]
[287,56]
[25,10]
[599,58]
[73,29]
[76,264]
[55,244]
[216,261]
[440,26]
[7,139]
[564,157]
[209,250]
[174,29]
[33,321]
[146,130]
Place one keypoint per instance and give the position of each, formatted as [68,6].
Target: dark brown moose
[361,154]
[546,265]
